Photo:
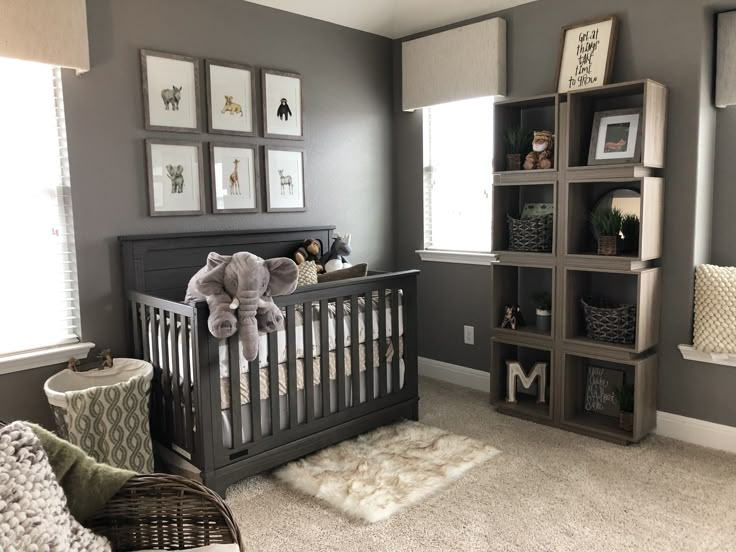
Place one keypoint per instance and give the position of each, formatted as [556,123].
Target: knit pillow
[715,309]
[307,274]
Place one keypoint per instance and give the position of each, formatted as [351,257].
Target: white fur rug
[382,472]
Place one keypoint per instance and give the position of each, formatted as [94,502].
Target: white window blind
[458,174]
[39,280]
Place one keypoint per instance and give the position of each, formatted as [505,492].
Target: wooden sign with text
[586,54]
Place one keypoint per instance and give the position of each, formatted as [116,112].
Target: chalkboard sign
[600,393]
[586,54]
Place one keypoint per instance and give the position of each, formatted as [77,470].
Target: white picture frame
[231,92]
[283,106]
[586,56]
[234,177]
[285,188]
[170,92]
[175,178]
[616,137]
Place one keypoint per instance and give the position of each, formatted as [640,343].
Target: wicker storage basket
[532,234]
[606,321]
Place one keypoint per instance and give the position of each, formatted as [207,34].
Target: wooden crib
[229,418]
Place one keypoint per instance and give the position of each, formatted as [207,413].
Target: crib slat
[395,370]
[135,329]
[340,351]
[308,360]
[187,383]
[368,319]
[273,380]
[254,380]
[233,361]
[144,332]
[355,348]
[382,368]
[324,351]
[291,384]
[176,379]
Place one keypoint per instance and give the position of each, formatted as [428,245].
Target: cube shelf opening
[518,285]
[538,113]
[509,199]
[526,405]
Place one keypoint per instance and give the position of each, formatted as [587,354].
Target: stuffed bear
[541,155]
[309,250]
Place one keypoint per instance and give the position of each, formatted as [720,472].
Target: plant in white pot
[543,305]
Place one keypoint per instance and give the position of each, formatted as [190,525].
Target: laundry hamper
[106,412]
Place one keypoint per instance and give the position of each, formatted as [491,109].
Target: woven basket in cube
[532,234]
[609,322]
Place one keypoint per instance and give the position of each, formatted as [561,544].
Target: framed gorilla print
[230,95]
[283,109]
[175,178]
[170,92]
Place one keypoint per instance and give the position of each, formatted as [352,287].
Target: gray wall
[673,46]
[348,124]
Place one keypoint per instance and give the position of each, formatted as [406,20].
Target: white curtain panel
[53,32]
[459,64]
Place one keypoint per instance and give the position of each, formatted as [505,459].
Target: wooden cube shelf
[516,284]
[640,372]
[580,246]
[641,288]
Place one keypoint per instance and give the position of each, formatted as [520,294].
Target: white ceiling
[391,18]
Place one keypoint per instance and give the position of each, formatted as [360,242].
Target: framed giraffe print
[283,108]
[285,190]
[234,176]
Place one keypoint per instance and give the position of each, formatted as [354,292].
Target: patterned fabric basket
[606,321]
[532,234]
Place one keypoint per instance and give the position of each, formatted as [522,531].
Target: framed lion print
[230,98]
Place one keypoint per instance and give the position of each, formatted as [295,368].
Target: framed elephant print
[231,90]
[283,109]
[170,92]
[175,178]
[285,190]
[234,178]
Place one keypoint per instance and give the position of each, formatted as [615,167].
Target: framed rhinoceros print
[170,92]
[175,178]
[231,92]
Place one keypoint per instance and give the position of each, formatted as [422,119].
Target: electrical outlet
[469,335]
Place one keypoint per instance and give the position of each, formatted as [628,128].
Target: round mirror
[626,200]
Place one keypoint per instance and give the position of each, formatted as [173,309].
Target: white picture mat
[163,73]
[276,88]
[223,160]
[633,120]
[569,61]
[292,164]
[229,81]
[163,199]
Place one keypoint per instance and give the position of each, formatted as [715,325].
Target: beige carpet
[549,491]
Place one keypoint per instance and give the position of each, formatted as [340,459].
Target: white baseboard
[689,430]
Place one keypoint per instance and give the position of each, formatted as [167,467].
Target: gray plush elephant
[243,283]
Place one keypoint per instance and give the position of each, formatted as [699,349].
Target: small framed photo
[283,109]
[230,97]
[586,54]
[616,137]
[175,178]
[234,177]
[170,91]
[285,190]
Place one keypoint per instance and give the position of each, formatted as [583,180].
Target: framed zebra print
[285,189]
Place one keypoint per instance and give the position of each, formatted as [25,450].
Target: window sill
[457,257]
[725,359]
[44,357]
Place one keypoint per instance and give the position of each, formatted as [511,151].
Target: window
[40,304]
[458,173]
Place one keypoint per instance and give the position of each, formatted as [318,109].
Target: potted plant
[517,140]
[630,231]
[543,304]
[625,398]
[606,225]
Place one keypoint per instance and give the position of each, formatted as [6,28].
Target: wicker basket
[532,234]
[608,245]
[609,322]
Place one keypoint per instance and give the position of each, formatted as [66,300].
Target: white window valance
[726,60]
[53,32]
[459,64]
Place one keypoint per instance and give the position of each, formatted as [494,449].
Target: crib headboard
[162,264]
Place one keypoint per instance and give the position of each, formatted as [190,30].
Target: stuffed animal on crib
[336,258]
[309,250]
[541,155]
[512,317]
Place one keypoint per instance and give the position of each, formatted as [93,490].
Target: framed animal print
[283,109]
[170,92]
[231,92]
[285,190]
[615,137]
[234,178]
[175,178]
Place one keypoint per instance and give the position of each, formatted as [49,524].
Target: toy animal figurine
[231,107]
[176,176]
[171,97]
[336,258]
[541,155]
[73,364]
[512,317]
[105,357]
[284,111]
[309,250]
[234,180]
